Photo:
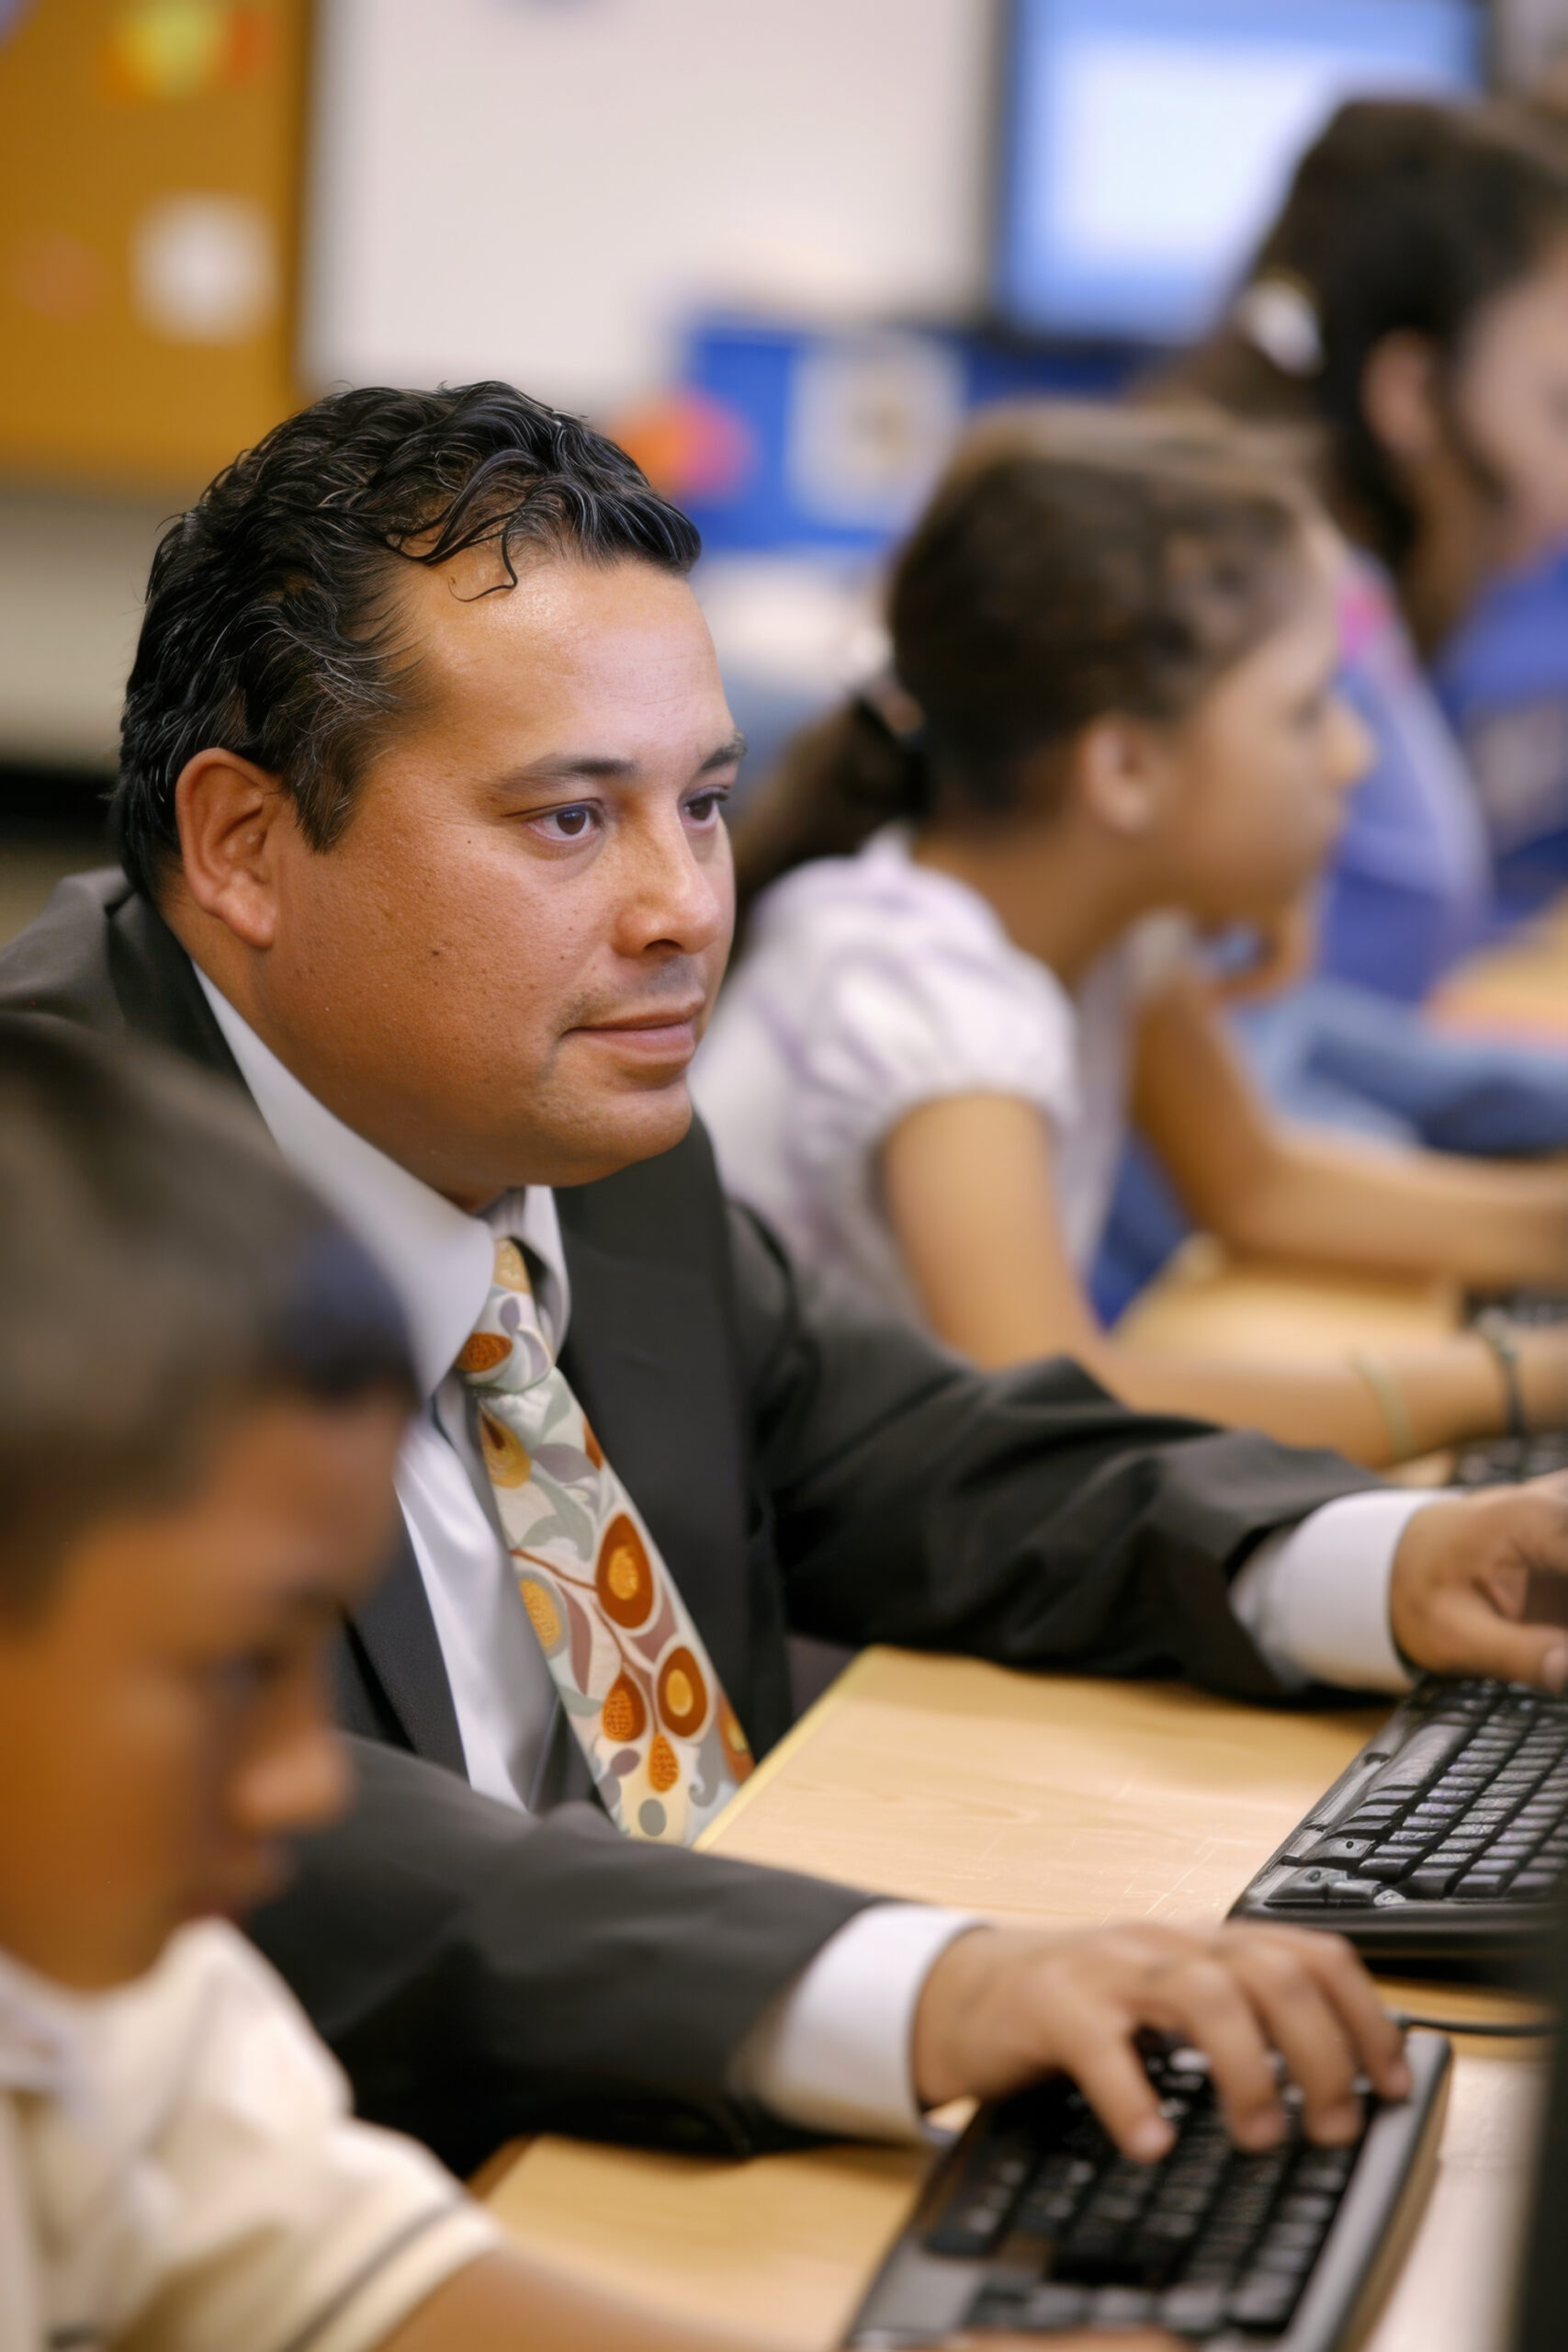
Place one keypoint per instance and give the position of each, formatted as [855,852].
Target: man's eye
[706,807]
[568,824]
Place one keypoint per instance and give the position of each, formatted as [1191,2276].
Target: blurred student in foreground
[203,1384]
[1114,648]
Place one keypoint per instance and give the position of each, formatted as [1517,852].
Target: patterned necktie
[662,1740]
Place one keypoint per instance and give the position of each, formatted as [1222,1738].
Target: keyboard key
[1431,1882]
[1193,2308]
[1420,1760]
[1476,1886]
[1339,1850]
[1302,2206]
[1049,2308]
[1388,1869]
[1264,2300]
[1309,1885]
[1123,2307]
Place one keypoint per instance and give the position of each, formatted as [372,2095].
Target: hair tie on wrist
[1389,1403]
[1494,1330]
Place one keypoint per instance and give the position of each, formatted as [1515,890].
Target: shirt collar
[438,1258]
[39,2048]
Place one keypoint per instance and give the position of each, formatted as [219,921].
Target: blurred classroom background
[781,248]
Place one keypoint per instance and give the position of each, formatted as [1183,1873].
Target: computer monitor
[1149,141]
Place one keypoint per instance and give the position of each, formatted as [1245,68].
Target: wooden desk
[1024,1798]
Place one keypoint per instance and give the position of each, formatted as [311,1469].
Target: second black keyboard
[1447,1837]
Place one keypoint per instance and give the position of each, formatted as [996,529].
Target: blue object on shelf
[841,432]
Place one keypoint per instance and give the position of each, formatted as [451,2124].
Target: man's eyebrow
[602,767]
[729,756]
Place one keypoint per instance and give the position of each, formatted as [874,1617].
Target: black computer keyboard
[1503,1461]
[1447,1837]
[1033,2222]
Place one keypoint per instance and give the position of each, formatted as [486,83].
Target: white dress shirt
[833,2053]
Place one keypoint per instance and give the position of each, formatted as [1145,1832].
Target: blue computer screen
[1149,141]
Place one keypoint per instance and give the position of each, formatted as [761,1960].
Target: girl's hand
[1287,950]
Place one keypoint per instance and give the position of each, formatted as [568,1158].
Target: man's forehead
[561,615]
[609,659]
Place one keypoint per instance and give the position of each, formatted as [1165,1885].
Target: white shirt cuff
[833,2052]
[1314,1597]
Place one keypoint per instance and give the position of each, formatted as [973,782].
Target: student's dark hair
[272,628]
[1075,562]
[160,1268]
[1404,216]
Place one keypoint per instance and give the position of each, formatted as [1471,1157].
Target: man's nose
[674,894]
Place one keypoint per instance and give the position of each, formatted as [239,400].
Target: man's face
[500,972]
[163,1720]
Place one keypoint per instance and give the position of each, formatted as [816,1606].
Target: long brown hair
[1404,216]
[1075,561]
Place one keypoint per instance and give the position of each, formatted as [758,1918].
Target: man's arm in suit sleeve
[1025,1517]
[481,1975]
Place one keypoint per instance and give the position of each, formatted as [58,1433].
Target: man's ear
[1117,773]
[1399,396]
[232,815]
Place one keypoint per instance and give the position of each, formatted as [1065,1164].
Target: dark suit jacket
[479,1974]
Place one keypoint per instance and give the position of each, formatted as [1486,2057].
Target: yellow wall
[150,169]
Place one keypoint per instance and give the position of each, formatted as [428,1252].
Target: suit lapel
[397,1634]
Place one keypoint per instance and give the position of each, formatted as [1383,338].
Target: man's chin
[635,1127]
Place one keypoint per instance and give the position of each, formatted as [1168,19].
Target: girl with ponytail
[971,897]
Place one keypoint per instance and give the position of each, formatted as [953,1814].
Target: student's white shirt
[833,2053]
[871,985]
[179,2168]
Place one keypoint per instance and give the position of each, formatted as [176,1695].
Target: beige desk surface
[1023,1798]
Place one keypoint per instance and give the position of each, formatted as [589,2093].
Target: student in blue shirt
[1502,679]
[1409,306]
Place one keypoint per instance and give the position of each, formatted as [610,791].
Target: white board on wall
[542,189]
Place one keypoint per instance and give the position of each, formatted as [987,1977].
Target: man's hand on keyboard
[1004,2006]
[1479,1585]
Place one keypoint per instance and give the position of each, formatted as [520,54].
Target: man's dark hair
[161,1270]
[271,628]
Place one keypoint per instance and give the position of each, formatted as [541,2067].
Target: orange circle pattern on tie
[624,1715]
[636,1684]
[623,1580]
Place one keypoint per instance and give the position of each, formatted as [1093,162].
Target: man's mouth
[656,1033]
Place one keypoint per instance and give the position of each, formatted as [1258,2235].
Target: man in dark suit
[423,759]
